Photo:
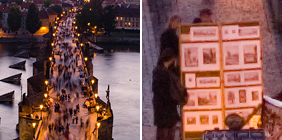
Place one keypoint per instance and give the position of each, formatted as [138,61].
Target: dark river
[121,71]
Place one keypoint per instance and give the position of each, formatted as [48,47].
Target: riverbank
[21,40]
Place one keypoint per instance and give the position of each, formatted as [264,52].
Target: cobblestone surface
[155,16]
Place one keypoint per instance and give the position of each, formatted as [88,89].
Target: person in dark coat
[165,108]
[169,38]
[205,16]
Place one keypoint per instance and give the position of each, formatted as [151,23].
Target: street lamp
[75,27]
[54,34]
[90,9]
[73,22]
[88,24]
[52,44]
[50,58]
[41,107]
[61,15]
[46,82]
[95,27]
[56,22]
[55,27]
[97,108]
[92,81]
[98,124]
[58,18]
[85,58]
[45,95]
[33,125]
[96,95]
[78,35]
[64,12]
[81,44]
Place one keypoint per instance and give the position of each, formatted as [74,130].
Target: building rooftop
[127,12]
[51,12]
[43,14]
[4,8]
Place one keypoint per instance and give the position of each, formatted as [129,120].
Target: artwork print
[250,54]
[242,96]
[204,119]
[191,120]
[233,78]
[231,97]
[209,56]
[191,57]
[251,76]
[232,55]
[207,99]
[255,95]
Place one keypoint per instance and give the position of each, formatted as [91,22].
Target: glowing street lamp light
[55,27]
[88,24]
[81,44]
[45,95]
[92,81]
[52,44]
[98,124]
[50,58]
[61,15]
[97,108]
[78,35]
[41,107]
[46,82]
[95,27]
[85,58]
[33,125]
[54,34]
[56,22]
[64,12]
[74,22]
[90,9]
[75,27]
[96,95]
[58,18]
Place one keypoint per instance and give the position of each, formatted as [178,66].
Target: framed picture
[199,57]
[251,54]
[190,80]
[241,54]
[249,32]
[252,77]
[204,99]
[204,33]
[241,112]
[233,78]
[230,32]
[243,97]
[248,77]
[208,81]
[202,120]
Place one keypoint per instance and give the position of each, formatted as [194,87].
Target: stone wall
[155,16]
[26,130]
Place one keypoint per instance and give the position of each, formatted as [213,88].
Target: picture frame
[243,78]
[243,97]
[202,120]
[244,113]
[199,57]
[205,82]
[249,32]
[204,33]
[203,99]
[229,32]
[242,55]
[190,80]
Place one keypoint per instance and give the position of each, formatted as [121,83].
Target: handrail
[36,135]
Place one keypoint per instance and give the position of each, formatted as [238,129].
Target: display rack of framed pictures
[221,68]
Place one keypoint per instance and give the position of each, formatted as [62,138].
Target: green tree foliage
[14,18]
[57,8]
[47,3]
[95,5]
[19,2]
[33,22]
[86,16]
[108,19]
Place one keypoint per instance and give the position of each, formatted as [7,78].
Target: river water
[121,71]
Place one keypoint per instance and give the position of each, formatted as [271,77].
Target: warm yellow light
[98,124]
[79,12]
[120,18]
[61,15]
[45,95]
[128,23]
[97,107]
[56,22]
[78,35]
[46,82]
[90,9]
[43,28]
[58,18]
[54,34]
[64,12]
[88,24]
[55,27]
[74,18]
[75,27]
[50,58]
[95,54]
[72,9]
[69,10]
[33,124]
[41,106]
[96,95]
[56,31]
[92,81]
[81,44]
[85,58]
[74,22]
[52,44]
[95,27]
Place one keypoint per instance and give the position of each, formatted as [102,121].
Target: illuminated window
[125,24]
[120,18]
[117,18]
[128,24]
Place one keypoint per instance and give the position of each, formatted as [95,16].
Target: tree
[46,3]
[108,19]
[57,8]
[86,16]
[33,22]
[19,2]
[95,5]
[14,18]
